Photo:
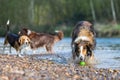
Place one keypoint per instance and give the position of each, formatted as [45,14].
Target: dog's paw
[19,55]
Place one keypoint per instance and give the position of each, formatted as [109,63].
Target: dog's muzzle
[81,58]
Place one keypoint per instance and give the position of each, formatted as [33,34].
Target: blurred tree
[31,12]
[92,10]
[113,11]
[56,12]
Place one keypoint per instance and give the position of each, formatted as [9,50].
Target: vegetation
[48,15]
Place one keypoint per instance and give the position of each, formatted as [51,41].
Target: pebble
[27,68]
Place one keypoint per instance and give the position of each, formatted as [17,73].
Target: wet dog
[83,42]
[16,41]
[42,39]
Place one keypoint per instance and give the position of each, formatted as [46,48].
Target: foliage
[47,14]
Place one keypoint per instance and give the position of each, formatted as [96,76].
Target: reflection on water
[107,52]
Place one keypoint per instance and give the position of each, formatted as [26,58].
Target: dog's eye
[28,40]
[84,47]
[89,53]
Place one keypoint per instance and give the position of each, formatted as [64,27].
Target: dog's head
[82,50]
[60,34]
[24,40]
[25,31]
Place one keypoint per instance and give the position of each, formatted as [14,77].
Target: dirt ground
[28,68]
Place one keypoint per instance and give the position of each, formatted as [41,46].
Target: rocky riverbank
[28,68]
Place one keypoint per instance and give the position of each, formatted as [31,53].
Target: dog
[83,42]
[16,41]
[42,39]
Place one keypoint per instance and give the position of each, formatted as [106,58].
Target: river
[107,52]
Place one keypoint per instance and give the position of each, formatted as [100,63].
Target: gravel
[28,68]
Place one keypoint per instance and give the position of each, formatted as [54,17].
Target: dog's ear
[19,41]
[77,49]
[89,51]
[29,40]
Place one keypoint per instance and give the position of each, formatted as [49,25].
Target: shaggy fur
[83,41]
[42,39]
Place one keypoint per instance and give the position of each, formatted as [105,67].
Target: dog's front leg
[49,49]
[4,48]
[73,52]
[10,49]
[19,53]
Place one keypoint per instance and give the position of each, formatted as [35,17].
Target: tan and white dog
[16,41]
[83,42]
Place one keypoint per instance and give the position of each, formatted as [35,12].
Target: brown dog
[83,41]
[16,41]
[42,39]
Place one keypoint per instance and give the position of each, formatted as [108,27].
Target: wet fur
[83,35]
[42,39]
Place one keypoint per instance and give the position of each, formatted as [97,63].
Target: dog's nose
[81,58]
[26,43]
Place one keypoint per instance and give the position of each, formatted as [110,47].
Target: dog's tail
[6,33]
[59,34]
[6,41]
[8,25]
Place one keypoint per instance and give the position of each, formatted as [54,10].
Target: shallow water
[107,52]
